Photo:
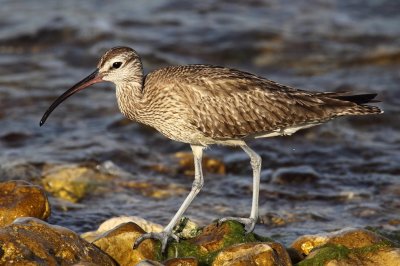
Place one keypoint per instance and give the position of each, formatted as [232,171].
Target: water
[47,46]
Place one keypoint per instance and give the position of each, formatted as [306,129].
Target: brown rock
[211,165]
[295,175]
[212,237]
[253,254]
[21,199]
[348,237]
[118,243]
[30,241]
[338,255]
[181,262]
[355,247]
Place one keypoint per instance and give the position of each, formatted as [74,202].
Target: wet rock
[212,240]
[186,229]
[72,182]
[118,243]
[347,247]
[15,139]
[19,171]
[30,241]
[338,255]
[349,237]
[181,262]
[149,263]
[20,199]
[295,175]
[253,254]
[156,191]
[116,221]
[186,164]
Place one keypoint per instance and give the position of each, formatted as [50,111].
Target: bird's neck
[129,96]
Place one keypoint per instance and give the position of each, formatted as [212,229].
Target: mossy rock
[212,240]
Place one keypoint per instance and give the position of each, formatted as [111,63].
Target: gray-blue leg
[250,222]
[196,187]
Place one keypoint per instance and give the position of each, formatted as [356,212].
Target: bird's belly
[178,130]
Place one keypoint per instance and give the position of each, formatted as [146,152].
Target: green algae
[326,253]
[234,234]
[393,236]
[329,252]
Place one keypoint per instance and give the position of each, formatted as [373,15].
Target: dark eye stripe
[116,64]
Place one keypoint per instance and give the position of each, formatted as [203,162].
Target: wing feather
[226,103]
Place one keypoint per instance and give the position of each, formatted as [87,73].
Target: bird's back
[224,103]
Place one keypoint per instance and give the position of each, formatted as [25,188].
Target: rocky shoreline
[26,239]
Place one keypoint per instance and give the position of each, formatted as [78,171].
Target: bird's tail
[360,100]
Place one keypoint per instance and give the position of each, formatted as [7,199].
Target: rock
[338,255]
[116,221]
[30,241]
[186,229]
[118,243]
[211,165]
[295,175]
[72,182]
[347,247]
[157,191]
[253,254]
[210,241]
[348,237]
[181,262]
[20,199]
[149,263]
[19,170]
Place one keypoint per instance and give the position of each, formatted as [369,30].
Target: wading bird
[203,105]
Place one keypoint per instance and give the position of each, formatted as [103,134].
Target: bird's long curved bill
[86,82]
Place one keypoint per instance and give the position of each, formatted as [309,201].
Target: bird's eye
[116,64]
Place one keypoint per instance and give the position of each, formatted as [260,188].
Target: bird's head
[118,65]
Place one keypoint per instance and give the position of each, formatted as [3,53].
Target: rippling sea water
[47,46]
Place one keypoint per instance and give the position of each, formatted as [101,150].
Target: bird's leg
[196,187]
[250,222]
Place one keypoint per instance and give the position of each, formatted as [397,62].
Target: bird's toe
[163,237]
[248,223]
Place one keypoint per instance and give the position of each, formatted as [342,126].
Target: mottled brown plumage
[203,105]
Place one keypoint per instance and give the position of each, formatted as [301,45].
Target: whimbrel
[203,105]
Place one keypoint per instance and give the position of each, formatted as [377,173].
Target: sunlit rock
[21,199]
[116,221]
[72,182]
[212,240]
[253,254]
[181,262]
[118,243]
[347,247]
[30,241]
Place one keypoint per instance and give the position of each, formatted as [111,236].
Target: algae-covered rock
[212,240]
[72,182]
[118,243]
[347,247]
[21,199]
[348,237]
[30,241]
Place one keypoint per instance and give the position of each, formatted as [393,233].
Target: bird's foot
[162,236]
[249,223]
